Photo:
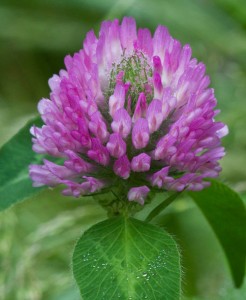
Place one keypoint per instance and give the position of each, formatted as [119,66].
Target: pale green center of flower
[135,71]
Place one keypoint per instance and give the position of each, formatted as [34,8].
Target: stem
[155,212]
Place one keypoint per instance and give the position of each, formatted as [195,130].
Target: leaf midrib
[129,289]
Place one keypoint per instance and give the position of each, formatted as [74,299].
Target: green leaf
[15,157]
[123,258]
[226,214]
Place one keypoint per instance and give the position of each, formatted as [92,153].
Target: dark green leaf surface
[15,157]
[226,214]
[123,258]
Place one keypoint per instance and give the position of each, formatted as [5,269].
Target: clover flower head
[130,110]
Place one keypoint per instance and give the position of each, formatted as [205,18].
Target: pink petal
[223,131]
[99,153]
[98,127]
[141,163]
[121,122]
[128,34]
[76,163]
[49,174]
[161,41]
[158,88]
[154,115]
[144,42]
[116,145]
[90,185]
[117,100]
[157,64]
[138,194]
[122,167]
[160,178]
[140,134]
[141,107]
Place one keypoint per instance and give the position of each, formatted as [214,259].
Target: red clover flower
[130,110]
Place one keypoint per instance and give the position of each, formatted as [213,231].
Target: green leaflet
[123,258]
[15,157]
[225,211]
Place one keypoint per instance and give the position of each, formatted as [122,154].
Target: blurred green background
[37,236]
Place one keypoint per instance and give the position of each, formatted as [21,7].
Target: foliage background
[37,236]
